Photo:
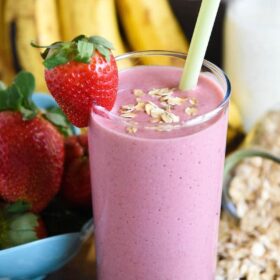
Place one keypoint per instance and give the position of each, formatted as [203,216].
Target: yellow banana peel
[235,126]
[151,25]
[76,17]
[7,71]
[91,17]
[26,21]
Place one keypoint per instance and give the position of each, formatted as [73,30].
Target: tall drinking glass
[157,184]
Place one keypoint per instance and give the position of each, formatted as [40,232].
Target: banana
[105,10]
[235,126]
[91,17]
[26,21]
[76,17]
[1,40]
[6,58]
[151,25]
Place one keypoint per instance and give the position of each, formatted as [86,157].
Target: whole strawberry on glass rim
[80,73]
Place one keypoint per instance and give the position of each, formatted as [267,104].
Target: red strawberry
[76,188]
[31,148]
[40,229]
[19,226]
[79,74]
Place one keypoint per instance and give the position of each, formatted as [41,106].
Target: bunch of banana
[235,126]
[23,21]
[151,25]
[90,17]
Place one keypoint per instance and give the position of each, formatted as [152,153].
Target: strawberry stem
[80,49]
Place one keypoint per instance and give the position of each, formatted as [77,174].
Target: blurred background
[243,42]
[130,25]
[46,21]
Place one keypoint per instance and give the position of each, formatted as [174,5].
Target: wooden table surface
[82,267]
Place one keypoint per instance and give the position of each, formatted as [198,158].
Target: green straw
[199,43]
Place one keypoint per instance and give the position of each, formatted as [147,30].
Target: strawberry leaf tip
[85,50]
[80,49]
[2,86]
[57,118]
[17,96]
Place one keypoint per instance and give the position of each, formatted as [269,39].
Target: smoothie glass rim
[215,70]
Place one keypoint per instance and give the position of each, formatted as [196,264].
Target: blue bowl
[44,101]
[34,260]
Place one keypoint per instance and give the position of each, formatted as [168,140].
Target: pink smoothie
[157,193]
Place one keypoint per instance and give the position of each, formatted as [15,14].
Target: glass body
[157,201]
[252,56]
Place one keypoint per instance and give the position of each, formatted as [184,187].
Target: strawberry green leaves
[85,51]
[102,45]
[18,207]
[17,97]
[101,41]
[57,118]
[56,59]
[25,85]
[80,49]
[17,224]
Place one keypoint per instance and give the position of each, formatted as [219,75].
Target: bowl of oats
[236,180]
[249,237]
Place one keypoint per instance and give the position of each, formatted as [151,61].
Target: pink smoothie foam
[157,194]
